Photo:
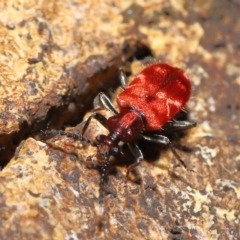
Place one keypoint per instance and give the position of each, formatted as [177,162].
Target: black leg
[165,141]
[99,117]
[122,78]
[178,157]
[103,101]
[179,125]
[157,139]
[137,154]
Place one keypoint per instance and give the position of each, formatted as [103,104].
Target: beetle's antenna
[68,134]
[103,176]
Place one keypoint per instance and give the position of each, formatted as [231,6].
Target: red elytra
[158,93]
[146,110]
[154,97]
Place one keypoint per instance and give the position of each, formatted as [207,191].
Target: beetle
[147,107]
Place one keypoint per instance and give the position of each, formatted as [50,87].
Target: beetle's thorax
[126,125]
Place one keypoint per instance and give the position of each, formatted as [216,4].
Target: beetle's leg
[180,125]
[122,78]
[103,101]
[165,141]
[137,153]
[175,126]
[99,117]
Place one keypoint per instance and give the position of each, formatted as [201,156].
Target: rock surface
[54,59]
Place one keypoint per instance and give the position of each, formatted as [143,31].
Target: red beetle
[146,106]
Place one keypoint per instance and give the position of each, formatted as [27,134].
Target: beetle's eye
[115,150]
